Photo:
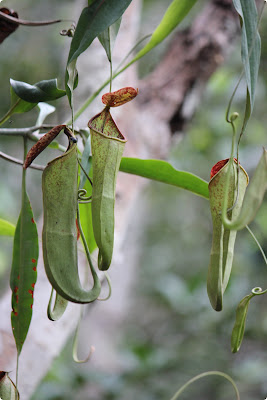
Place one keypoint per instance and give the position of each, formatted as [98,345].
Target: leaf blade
[94,20]
[174,14]
[6,228]
[164,172]
[23,273]
[250,47]
[46,90]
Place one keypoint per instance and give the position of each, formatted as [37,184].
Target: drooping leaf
[175,13]
[23,273]
[94,20]
[41,91]
[8,390]
[108,36]
[18,105]
[239,327]
[7,27]
[250,48]
[6,228]
[162,171]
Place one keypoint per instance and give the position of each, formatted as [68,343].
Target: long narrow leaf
[175,13]
[250,48]
[162,171]
[94,20]
[6,228]
[23,273]
[108,37]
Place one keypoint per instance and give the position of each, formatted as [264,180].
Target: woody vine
[96,164]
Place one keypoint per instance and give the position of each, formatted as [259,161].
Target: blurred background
[171,333]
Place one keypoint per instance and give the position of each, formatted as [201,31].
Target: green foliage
[173,291]
[175,13]
[250,49]
[6,228]
[41,91]
[23,273]
[239,327]
[94,19]
[162,171]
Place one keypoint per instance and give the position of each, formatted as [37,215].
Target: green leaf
[42,91]
[250,48]
[86,162]
[94,20]
[6,228]
[239,327]
[18,105]
[23,273]
[86,219]
[175,13]
[108,37]
[162,171]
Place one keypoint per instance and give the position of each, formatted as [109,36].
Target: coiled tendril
[82,196]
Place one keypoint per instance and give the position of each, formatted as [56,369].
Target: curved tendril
[75,343]
[109,288]
[203,375]
[60,305]
[131,51]
[258,244]
[85,173]
[81,196]
[258,291]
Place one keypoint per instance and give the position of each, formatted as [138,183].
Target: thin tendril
[75,343]
[109,288]
[82,198]
[131,51]
[177,394]
[257,291]
[258,244]
[85,173]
